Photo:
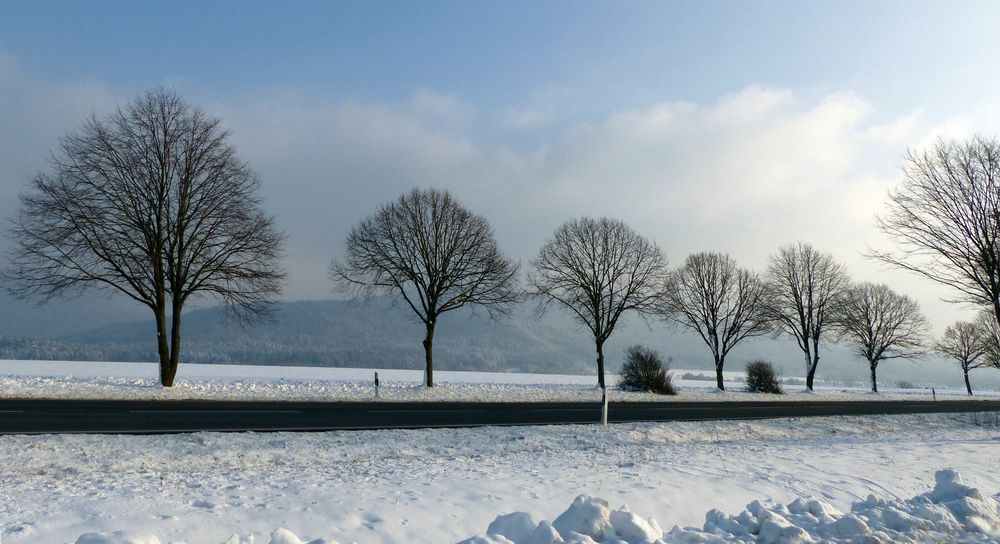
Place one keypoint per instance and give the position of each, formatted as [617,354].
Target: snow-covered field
[443,486]
[59,379]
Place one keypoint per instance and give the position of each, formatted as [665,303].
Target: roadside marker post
[376,385]
[604,407]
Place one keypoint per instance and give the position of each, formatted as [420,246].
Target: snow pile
[588,520]
[952,512]
[117,537]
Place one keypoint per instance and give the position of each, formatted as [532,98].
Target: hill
[379,334]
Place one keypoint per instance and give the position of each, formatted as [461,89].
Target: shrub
[644,370]
[761,378]
[701,377]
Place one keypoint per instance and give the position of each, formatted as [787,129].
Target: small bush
[905,385]
[761,378]
[700,377]
[643,370]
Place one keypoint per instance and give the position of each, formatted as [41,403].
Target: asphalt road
[106,416]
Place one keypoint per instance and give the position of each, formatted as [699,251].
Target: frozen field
[445,486]
[53,379]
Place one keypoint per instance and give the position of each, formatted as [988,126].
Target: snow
[712,480]
[952,512]
[587,516]
[516,526]
[107,380]
[117,537]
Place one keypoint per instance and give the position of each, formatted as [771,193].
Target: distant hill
[359,334]
[377,333]
[60,317]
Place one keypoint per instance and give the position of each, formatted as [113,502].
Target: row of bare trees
[152,202]
[436,256]
[947,210]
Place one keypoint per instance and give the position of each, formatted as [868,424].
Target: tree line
[152,202]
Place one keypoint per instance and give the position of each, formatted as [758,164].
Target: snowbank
[117,537]
[952,512]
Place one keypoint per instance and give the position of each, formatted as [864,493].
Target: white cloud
[527,119]
[898,131]
[754,103]
[441,108]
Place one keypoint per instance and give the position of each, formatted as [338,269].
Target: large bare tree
[803,285]
[598,269]
[428,250]
[945,219]
[880,324]
[969,344]
[723,303]
[151,202]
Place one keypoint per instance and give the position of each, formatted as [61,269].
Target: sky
[725,126]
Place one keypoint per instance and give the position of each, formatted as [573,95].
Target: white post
[604,407]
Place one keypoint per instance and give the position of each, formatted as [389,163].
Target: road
[105,416]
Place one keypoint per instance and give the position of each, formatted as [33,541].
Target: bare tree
[968,343]
[598,269]
[990,338]
[803,285]
[945,218]
[153,203]
[431,252]
[725,304]
[880,324]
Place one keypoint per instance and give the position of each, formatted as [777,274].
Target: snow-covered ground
[443,486]
[59,379]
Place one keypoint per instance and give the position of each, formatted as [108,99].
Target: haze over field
[702,126]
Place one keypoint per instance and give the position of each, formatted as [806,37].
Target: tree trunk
[811,377]
[810,368]
[175,339]
[428,353]
[162,347]
[719,362]
[968,386]
[874,382]
[600,364]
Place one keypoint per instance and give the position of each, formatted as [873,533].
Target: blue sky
[581,59]
[727,126]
